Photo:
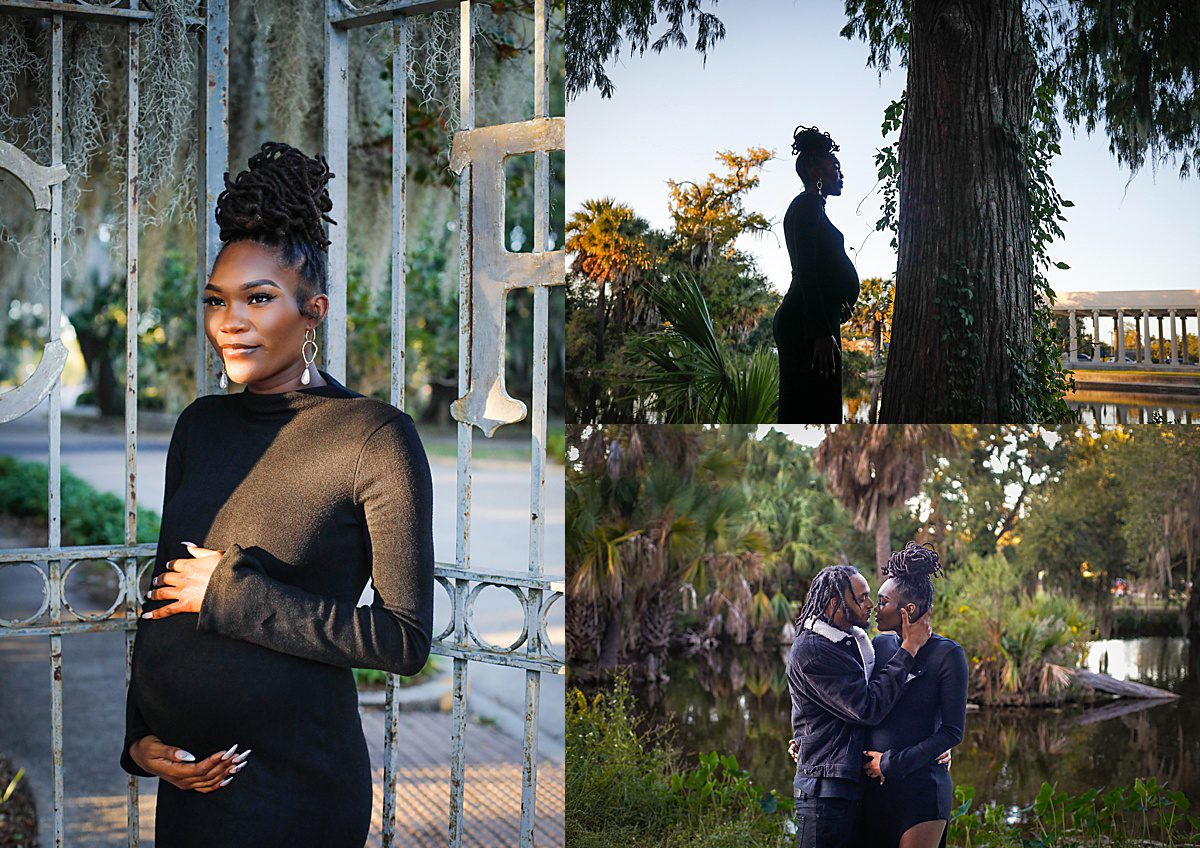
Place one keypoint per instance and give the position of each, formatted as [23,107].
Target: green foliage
[1016,640]
[629,788]
[1039,379]
[690,376]
[89,517]
[595,33]
[1145,813]
[376,677]
[620,264]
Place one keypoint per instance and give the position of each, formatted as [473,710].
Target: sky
[783,63]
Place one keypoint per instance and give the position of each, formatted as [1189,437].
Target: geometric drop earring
[308,359]
[223,381]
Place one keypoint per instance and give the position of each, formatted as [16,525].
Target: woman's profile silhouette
[823,290]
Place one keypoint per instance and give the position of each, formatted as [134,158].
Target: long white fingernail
[193,544]
[183,755]
[242,756]
[226,780]
[229,753]
[147,615]
[237,768]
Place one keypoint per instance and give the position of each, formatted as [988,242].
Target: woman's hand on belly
[179,768]
[184,582]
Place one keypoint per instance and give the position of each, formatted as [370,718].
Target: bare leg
[924,835]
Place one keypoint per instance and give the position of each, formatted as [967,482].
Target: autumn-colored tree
[609,242]
[873,313]
[709,216]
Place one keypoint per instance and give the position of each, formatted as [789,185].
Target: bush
[627,788]
[1018,644]
[371,677]
[89,517]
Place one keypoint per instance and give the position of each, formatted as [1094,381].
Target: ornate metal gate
[487,272]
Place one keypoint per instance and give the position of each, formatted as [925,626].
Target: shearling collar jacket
[834,696]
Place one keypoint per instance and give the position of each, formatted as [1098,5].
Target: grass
[631,789]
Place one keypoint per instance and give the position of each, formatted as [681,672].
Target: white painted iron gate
[487,272]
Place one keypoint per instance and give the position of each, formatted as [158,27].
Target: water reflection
[737,702]
[1100,408]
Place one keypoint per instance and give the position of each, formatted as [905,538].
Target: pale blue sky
[783,63]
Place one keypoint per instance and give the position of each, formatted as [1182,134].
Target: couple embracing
[873,719]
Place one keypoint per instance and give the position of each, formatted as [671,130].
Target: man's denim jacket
[832,700]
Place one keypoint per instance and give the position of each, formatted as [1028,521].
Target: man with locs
[834,696]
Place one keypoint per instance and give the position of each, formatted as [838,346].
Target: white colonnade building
[1163,322]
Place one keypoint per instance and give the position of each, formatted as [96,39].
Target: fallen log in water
[1118,708]
[1123,688]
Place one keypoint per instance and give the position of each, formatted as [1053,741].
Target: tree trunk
[883,542]
[963,325]
[601,320]
[610,643]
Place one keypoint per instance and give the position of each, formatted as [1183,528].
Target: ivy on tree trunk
[964,282]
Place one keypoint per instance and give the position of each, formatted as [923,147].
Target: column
[1144,341]
[1120,345]
[1184,357]
[1095,335]
[1162,359]
[1072,341]
[1174,342]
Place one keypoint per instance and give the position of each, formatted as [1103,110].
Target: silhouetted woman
[823,290]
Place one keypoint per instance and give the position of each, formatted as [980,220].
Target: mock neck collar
[258,405]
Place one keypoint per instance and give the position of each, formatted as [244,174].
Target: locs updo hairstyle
[280,202]
[913,569]
[810,146]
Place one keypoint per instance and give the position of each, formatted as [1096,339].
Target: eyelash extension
[269,297]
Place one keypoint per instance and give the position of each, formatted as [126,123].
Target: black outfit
[831,701]
[308,493]
[928,719]
[823,290]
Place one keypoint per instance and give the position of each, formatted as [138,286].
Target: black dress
[308,493]
[928,719]
[824,287]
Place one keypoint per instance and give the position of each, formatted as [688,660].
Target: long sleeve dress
[309,493]
[824,285]
[929,718]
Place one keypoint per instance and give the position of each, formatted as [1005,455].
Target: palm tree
[611,251]
[873,468]
[690,374]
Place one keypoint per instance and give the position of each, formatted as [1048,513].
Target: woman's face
[887,609]
[829,172]
[252,320]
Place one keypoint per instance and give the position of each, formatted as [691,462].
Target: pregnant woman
[908,795]
[822,294]
[281,501]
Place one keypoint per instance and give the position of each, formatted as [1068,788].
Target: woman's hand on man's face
[184,582]
[180,769]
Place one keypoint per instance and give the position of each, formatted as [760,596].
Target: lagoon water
[736,702]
